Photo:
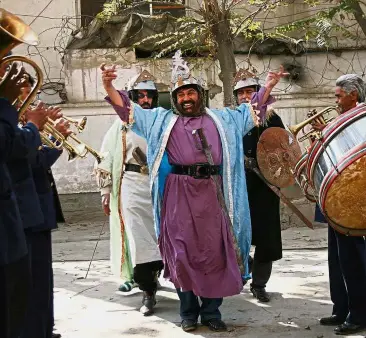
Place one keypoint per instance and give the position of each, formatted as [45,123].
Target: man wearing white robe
[124,183]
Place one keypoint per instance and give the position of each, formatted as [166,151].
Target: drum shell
[337,171]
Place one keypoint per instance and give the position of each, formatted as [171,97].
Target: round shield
[277,154]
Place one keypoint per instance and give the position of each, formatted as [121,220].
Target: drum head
[277,154]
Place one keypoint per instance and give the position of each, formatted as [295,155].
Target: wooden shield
[277,154]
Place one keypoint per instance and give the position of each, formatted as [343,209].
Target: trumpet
[79,124]
[314,117]
[80,150]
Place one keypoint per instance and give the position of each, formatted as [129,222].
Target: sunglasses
[149,95]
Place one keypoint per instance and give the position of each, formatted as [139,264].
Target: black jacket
[12,239]
[263,203]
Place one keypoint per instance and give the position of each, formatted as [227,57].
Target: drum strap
[284,199]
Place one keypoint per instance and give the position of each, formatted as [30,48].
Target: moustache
[188,102]
[146,105]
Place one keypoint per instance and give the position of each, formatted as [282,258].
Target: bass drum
[302,180]
[337,171]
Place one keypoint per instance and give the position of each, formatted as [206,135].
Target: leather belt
[137,168]
[198,170]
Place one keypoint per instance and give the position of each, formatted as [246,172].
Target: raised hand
[63,127]
[54,113]
[274,77]
[10,86]
[38,115]
[108,75]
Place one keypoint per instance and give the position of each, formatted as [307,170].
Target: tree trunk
[358,14]
[225,54]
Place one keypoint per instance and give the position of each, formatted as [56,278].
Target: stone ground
[92,308]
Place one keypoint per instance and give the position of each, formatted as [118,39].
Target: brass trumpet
[314,117]
[80,150]
[79,124]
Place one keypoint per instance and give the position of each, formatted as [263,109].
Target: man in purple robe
[199,193]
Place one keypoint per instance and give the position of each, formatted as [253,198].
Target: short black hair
[30,79]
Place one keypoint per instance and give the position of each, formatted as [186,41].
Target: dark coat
[25,148]
[12,238]
[42,176]
[264,204]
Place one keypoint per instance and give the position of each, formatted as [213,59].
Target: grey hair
[351,82]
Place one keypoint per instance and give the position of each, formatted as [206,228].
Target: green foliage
[197,33]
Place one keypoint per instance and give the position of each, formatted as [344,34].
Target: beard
[146,105]
[189,108]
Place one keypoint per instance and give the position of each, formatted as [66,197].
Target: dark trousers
[146,275]
[38,313]
[191,309]
[347,276]
[14,293]
[261,273]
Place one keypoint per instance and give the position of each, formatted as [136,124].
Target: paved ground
[92,308]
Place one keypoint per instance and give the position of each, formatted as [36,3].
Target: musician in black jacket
[346,254]
[14,270]
[263,203]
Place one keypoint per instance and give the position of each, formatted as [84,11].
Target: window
[90,8]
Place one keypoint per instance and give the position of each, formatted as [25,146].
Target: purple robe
[195,242]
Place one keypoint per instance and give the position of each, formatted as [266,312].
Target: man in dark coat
[346,254]
[39,320]
[263,203]
[14,270]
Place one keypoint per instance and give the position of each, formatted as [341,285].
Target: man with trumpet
[14,271]
[346,254]
[39,320]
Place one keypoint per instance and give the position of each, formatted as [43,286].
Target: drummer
[346,254]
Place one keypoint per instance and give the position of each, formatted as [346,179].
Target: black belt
[136,168]
[198,170]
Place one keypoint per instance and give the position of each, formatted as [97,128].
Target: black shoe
[330,321]
[56,335]
[260,293]
[188,325]
[348,328]
[215,324]
[148,303]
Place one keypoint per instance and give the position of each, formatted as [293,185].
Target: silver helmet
[244,78]
[181,74]
[142,81]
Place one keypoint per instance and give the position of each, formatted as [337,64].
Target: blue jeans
[191,309]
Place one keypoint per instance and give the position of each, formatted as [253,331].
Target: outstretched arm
[139,119]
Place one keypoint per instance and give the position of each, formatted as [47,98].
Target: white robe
[134,203]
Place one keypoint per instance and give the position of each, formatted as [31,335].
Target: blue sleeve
[8,126]
[27,142]
[245,117]
[48,156]
[143,119]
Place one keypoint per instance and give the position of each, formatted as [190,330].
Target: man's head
[350,90]
[188,100]
[27,87]
[246,84]
[142,90]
